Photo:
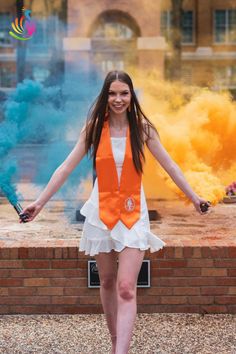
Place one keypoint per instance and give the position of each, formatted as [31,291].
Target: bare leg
[107,269]
[130,262]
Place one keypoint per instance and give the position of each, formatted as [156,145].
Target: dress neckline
[118,137]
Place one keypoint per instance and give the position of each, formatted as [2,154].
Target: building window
[187,27]
[40,74]
[7,77]
[108,65]
[186,75]
[225,26]
[166,24]
[113,30]
[5,26]
[187,24]
[225,76]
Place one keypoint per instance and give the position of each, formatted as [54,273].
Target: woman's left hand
[198,202]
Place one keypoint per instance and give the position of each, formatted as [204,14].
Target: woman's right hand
[197,202]
[30,212]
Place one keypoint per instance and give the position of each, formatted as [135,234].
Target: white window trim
[227,28]
[193,43]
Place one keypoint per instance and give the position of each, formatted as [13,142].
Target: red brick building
[208,41]
[122,34]
[115,34]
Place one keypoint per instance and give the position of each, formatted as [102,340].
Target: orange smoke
[198,129]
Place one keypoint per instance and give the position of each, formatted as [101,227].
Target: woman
[117,224]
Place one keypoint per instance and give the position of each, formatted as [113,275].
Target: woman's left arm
[173,170]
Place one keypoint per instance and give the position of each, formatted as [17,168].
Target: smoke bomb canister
[19,209]
[204,207]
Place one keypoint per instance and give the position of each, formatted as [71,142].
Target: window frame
[194,30]
[225,83]
[10,44]
[168,28]
[109,64]
[10,77]
[104,27]
[227,42]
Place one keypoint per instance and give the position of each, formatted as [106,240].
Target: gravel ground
[88,334]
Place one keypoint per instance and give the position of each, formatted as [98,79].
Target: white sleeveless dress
[96,237]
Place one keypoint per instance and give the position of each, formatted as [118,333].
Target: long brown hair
[136,119]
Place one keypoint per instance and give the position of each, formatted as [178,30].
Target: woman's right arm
[58,178]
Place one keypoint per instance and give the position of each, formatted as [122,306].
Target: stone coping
[179,225]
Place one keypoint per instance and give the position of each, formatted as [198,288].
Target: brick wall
[82,15]
[53,279]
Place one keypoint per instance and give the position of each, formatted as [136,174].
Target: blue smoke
[42,118]
[7,171]
[34,113]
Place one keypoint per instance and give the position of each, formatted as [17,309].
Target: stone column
[77,54]
[151,53]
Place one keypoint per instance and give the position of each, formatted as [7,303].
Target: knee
[126,290]
[108,282]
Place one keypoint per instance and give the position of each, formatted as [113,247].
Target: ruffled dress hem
[92,249]
[96,237]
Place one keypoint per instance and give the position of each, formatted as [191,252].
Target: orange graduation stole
[117,203]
